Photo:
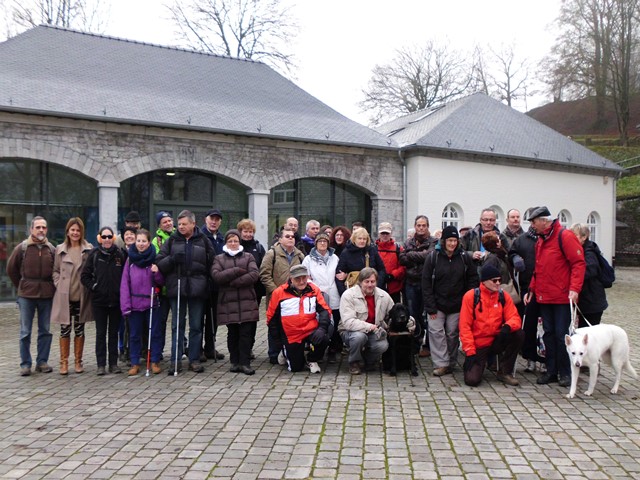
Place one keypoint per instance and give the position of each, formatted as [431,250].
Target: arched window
[452,215]
[565,218]
[500,217]
[593,221]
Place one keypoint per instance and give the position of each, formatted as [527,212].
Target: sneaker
[531,366]
[114,369]
[44,368]
[314,367]
[547,378]
[354,368]
[440,371]
[564,380]
[282,360]
[101,371]
[196,367]
[156,368]
[508,379]
[25,371]
[134,370]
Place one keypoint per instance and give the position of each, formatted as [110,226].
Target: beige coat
[354,310]
[62,268]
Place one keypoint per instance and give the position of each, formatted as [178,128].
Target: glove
[518,263]
[380,333]
[503,336]
[390,277]
[318,336]
[469,362]
[179,258]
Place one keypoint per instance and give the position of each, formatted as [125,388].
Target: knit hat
[385,227]
[231,232]
[488,272]
[160,215]
[450,232]
[321,236]
[298,271]
[132,217]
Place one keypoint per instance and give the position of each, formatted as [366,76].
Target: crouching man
[489,324]
[363,311]
[299,315]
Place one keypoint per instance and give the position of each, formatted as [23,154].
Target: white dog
[590,344]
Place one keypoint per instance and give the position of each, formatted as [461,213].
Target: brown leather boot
[78,347]
[65,343]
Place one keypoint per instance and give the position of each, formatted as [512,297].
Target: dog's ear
[567,340]
[585,339]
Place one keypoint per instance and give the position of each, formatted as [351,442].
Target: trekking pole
[149,339]
[213,333]
[175,371]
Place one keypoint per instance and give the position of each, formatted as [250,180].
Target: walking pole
[175,371]
[215,354]
[149,339]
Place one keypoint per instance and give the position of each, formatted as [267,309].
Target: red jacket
[557,273]
[300,313]
[481,332]
[390,254]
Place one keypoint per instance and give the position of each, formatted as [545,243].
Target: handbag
[510,288]
[352,277]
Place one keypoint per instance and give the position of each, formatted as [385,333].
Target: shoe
[203,358]
[44,368]
[114,369]
[25,371]
[101,371]
[493,367]
[440,371]
[424,352]
[235,368]
[134,370]
[196,367]
[314,367]
[547,378]
[219,356]
[247,370]
[564,381]
[282,360]
[171,371]
[531,366]
[273,360]
[155,368]
[508,379]
[331,357]
[354,368]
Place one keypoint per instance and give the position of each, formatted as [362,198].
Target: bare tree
[84,15]
[480,75]
[510,79]
[257,29]
[416,79]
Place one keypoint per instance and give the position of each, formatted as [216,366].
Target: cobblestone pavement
[281,425]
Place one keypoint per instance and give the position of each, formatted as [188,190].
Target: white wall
[433,183]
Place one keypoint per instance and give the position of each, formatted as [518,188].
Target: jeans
[195,306]
[373,347]
[556,320]
[28,308]
[415,304]
[138,323]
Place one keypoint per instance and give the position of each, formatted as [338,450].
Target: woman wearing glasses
[101,276]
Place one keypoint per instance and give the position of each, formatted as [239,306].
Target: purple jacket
[135,288]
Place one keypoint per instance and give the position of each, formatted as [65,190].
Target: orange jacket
[300,313]
[480,333]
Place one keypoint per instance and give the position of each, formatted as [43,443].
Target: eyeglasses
[496,280]
[288,236]
[487,219]
[106,237]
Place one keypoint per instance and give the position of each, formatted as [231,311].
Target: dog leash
[574,317]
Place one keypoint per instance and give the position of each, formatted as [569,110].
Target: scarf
[144,259]
[232,253]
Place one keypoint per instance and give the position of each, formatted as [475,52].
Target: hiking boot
[314,367]
[101,371]
[25,371]
[114,369]
[196,367]
[547,378]
[247,370]
[235,368]
[134,370]
[508,379]
[44,368]
[155,368]
[564,381]
[354,368]
[172,371]
[440,371]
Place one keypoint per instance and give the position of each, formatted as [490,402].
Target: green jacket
[160,238]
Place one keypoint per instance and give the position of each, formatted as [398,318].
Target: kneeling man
[363,311]
[489,324]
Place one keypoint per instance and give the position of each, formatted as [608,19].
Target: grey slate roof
[53,71]
[478,124]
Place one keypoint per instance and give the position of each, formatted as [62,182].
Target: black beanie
[450,232]
[488,272]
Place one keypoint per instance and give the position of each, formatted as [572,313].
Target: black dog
[401,354]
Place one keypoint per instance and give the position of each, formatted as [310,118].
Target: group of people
[327,291]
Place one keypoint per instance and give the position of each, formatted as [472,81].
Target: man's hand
[527,298]
[503,336]
[318,336]
[573,296]
[478,255]
[469,362]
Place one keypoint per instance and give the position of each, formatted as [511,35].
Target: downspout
[404,193]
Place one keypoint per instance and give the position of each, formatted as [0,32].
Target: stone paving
[330,425]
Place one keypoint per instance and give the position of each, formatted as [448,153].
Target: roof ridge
[147,44]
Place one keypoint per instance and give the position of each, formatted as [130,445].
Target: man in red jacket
[557,280]
[389,251]
[489,324]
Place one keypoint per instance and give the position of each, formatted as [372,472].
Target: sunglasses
[496,280]
[106,237]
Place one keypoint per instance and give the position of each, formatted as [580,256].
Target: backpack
[607,274]
[476,300]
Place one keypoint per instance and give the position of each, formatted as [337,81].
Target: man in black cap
[489,324]
[557,281]
[211,229]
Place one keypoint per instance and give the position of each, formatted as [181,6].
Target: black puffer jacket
[453,278]
[593,298]
[194,274]
[525,247]
[353,259]
[101,276]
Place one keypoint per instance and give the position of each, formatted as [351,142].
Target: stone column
[259,213]
[108,204]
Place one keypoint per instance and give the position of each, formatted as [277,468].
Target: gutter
[403,161]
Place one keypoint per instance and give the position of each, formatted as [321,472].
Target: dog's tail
[630,369]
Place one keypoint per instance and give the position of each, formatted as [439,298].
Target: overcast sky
[340,41]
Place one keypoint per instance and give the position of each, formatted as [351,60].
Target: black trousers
[530,315]
[508,352]
[107,326]
[210,324]
[295,353]
[239,342]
